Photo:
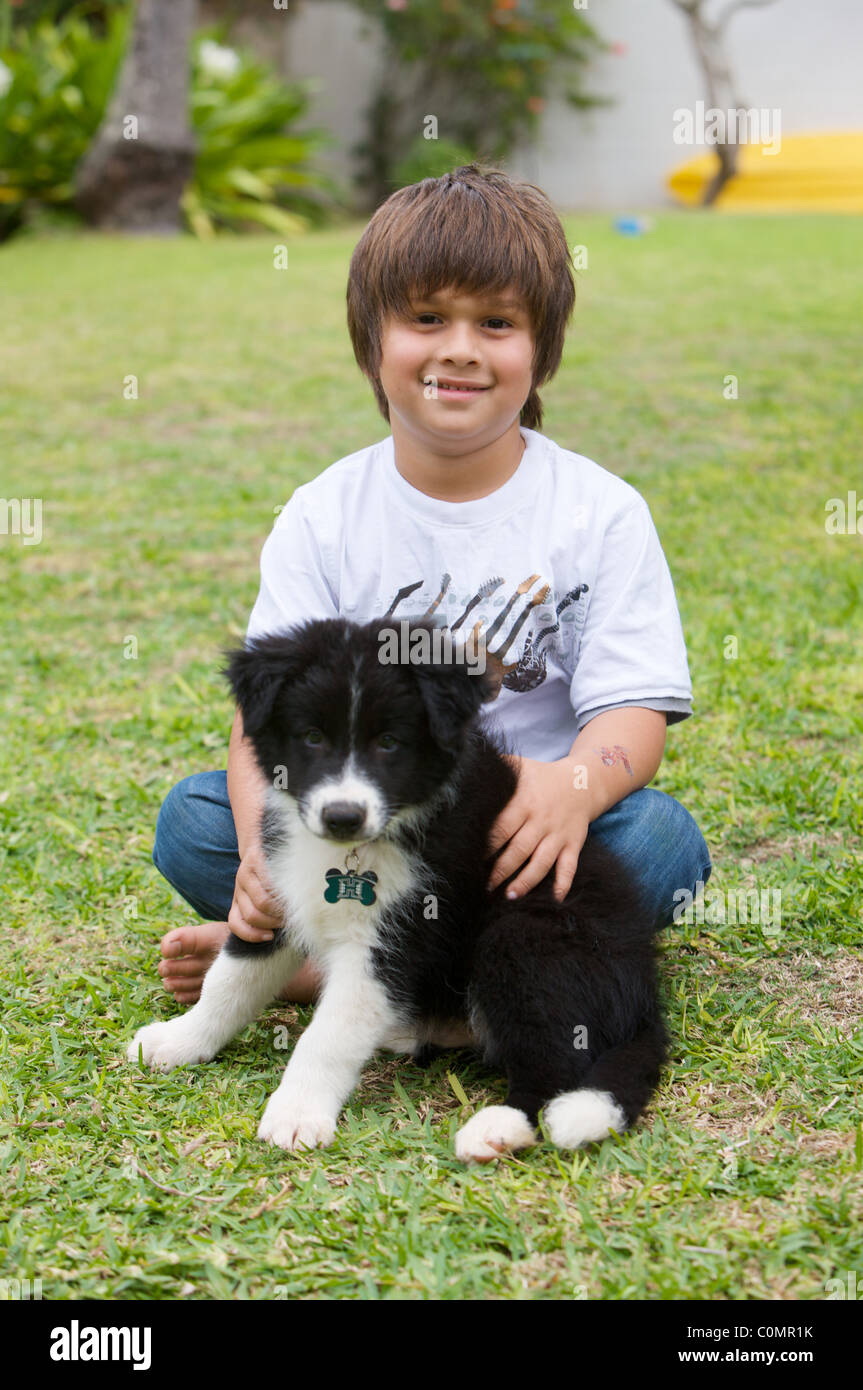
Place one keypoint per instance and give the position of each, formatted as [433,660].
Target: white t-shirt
[562,566]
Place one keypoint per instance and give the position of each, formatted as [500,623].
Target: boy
[459,293]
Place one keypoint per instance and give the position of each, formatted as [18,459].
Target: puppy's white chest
[327,904]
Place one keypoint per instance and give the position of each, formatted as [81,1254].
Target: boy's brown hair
[473,230]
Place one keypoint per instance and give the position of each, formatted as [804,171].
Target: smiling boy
[459,293]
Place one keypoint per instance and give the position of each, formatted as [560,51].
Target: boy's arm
[619,751]
[246,787]
[254,915]
[546,821]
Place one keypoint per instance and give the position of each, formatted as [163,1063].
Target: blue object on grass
[632,226]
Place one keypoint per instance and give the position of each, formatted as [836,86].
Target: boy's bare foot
[190,951]
[188,954]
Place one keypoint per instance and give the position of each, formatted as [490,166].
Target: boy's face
[453,340]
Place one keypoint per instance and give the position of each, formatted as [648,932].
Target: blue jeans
[196,845]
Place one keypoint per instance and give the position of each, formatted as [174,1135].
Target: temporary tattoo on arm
[610,756]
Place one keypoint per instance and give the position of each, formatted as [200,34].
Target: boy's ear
[256,674]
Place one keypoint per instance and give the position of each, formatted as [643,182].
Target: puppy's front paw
[168,1045]
[493,1132]
[292,1126]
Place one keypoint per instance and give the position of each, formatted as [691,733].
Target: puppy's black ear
[452,692]
[256,673]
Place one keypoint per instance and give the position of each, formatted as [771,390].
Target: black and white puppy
[382,792]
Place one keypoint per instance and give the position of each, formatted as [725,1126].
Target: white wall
[803,57]
[331,43]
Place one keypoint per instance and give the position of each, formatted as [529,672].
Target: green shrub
[247,169]
[486,70]
[55,82]
[428,159]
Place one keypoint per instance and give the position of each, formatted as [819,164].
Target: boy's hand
[254,913]
[546,822]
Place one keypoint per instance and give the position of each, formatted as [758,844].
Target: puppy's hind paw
[583,1117]
[493,1132]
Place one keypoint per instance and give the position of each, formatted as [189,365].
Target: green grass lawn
[745,1179]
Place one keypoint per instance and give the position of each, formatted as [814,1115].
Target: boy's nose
[460,346]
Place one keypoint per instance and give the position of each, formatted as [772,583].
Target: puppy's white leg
[236,989]
[352,1019]
[493,1131]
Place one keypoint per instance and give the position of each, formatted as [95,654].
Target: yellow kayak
[809,173]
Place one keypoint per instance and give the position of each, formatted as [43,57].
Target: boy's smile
[456,371]
[454,390]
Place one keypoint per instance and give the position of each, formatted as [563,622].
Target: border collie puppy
[382,793]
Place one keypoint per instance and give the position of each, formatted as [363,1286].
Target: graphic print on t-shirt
[530,669]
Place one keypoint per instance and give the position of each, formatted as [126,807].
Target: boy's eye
[494,322]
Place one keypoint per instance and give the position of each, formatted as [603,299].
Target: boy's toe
[197,939]
[190,967]
[188,952]
[185,991]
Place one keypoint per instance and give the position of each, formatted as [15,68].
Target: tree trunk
[708,40]
[134,173]
[727,156]
[708,43]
